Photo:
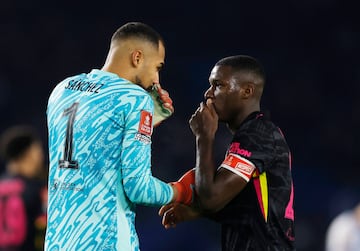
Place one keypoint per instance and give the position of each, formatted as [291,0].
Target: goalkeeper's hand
[185,187]
[163,107]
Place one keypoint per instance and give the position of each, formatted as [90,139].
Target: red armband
[239,165]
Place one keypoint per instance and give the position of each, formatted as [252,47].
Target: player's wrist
[175,192]
[204,139]
[185,188]
[176,189]
[183,194]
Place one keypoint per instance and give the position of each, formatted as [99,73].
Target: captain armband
[239,165]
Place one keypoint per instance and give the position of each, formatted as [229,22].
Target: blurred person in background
[251,193]
[22,190]
[343,233]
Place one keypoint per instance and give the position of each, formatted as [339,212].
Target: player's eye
[160,67]
[216,84]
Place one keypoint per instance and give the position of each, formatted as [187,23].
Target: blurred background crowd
[310,51]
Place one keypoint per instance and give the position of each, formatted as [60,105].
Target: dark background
[310,51]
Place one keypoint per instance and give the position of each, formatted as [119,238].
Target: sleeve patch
[239,165]
[145,125]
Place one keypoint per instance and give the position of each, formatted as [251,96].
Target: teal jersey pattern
[99,129]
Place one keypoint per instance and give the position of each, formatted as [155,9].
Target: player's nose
[209,93]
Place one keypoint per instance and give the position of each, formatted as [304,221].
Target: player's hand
[163,107]
[204,122]
[185,188]
[176,213]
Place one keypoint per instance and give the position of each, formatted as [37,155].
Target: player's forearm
[205,173]
[139,184]
[148,190]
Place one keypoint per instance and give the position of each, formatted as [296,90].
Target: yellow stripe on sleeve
[264,193]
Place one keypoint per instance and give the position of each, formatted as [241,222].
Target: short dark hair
[138,30]
[244,63]
[16,140]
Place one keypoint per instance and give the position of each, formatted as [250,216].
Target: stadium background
[310,51]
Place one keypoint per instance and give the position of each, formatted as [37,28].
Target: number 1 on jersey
[68,162]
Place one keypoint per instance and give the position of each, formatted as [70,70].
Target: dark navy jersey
[21,206]
[261,216]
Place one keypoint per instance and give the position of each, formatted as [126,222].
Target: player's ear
[137,57]
[247,90]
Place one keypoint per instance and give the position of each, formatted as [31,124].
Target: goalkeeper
[99,128]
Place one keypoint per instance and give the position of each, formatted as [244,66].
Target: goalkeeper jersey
[99,129]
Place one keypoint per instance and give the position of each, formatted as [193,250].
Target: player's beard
[139,82]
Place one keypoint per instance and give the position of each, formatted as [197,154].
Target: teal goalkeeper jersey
[100,130]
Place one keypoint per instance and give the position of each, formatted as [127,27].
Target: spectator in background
[344,231]
[22,190]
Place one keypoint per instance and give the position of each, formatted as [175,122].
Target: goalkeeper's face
[153,61]
[225,92]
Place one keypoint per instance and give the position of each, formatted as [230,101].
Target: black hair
[244,63]
[138,30]
[16,140]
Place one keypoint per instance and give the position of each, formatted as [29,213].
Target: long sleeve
[139,184]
